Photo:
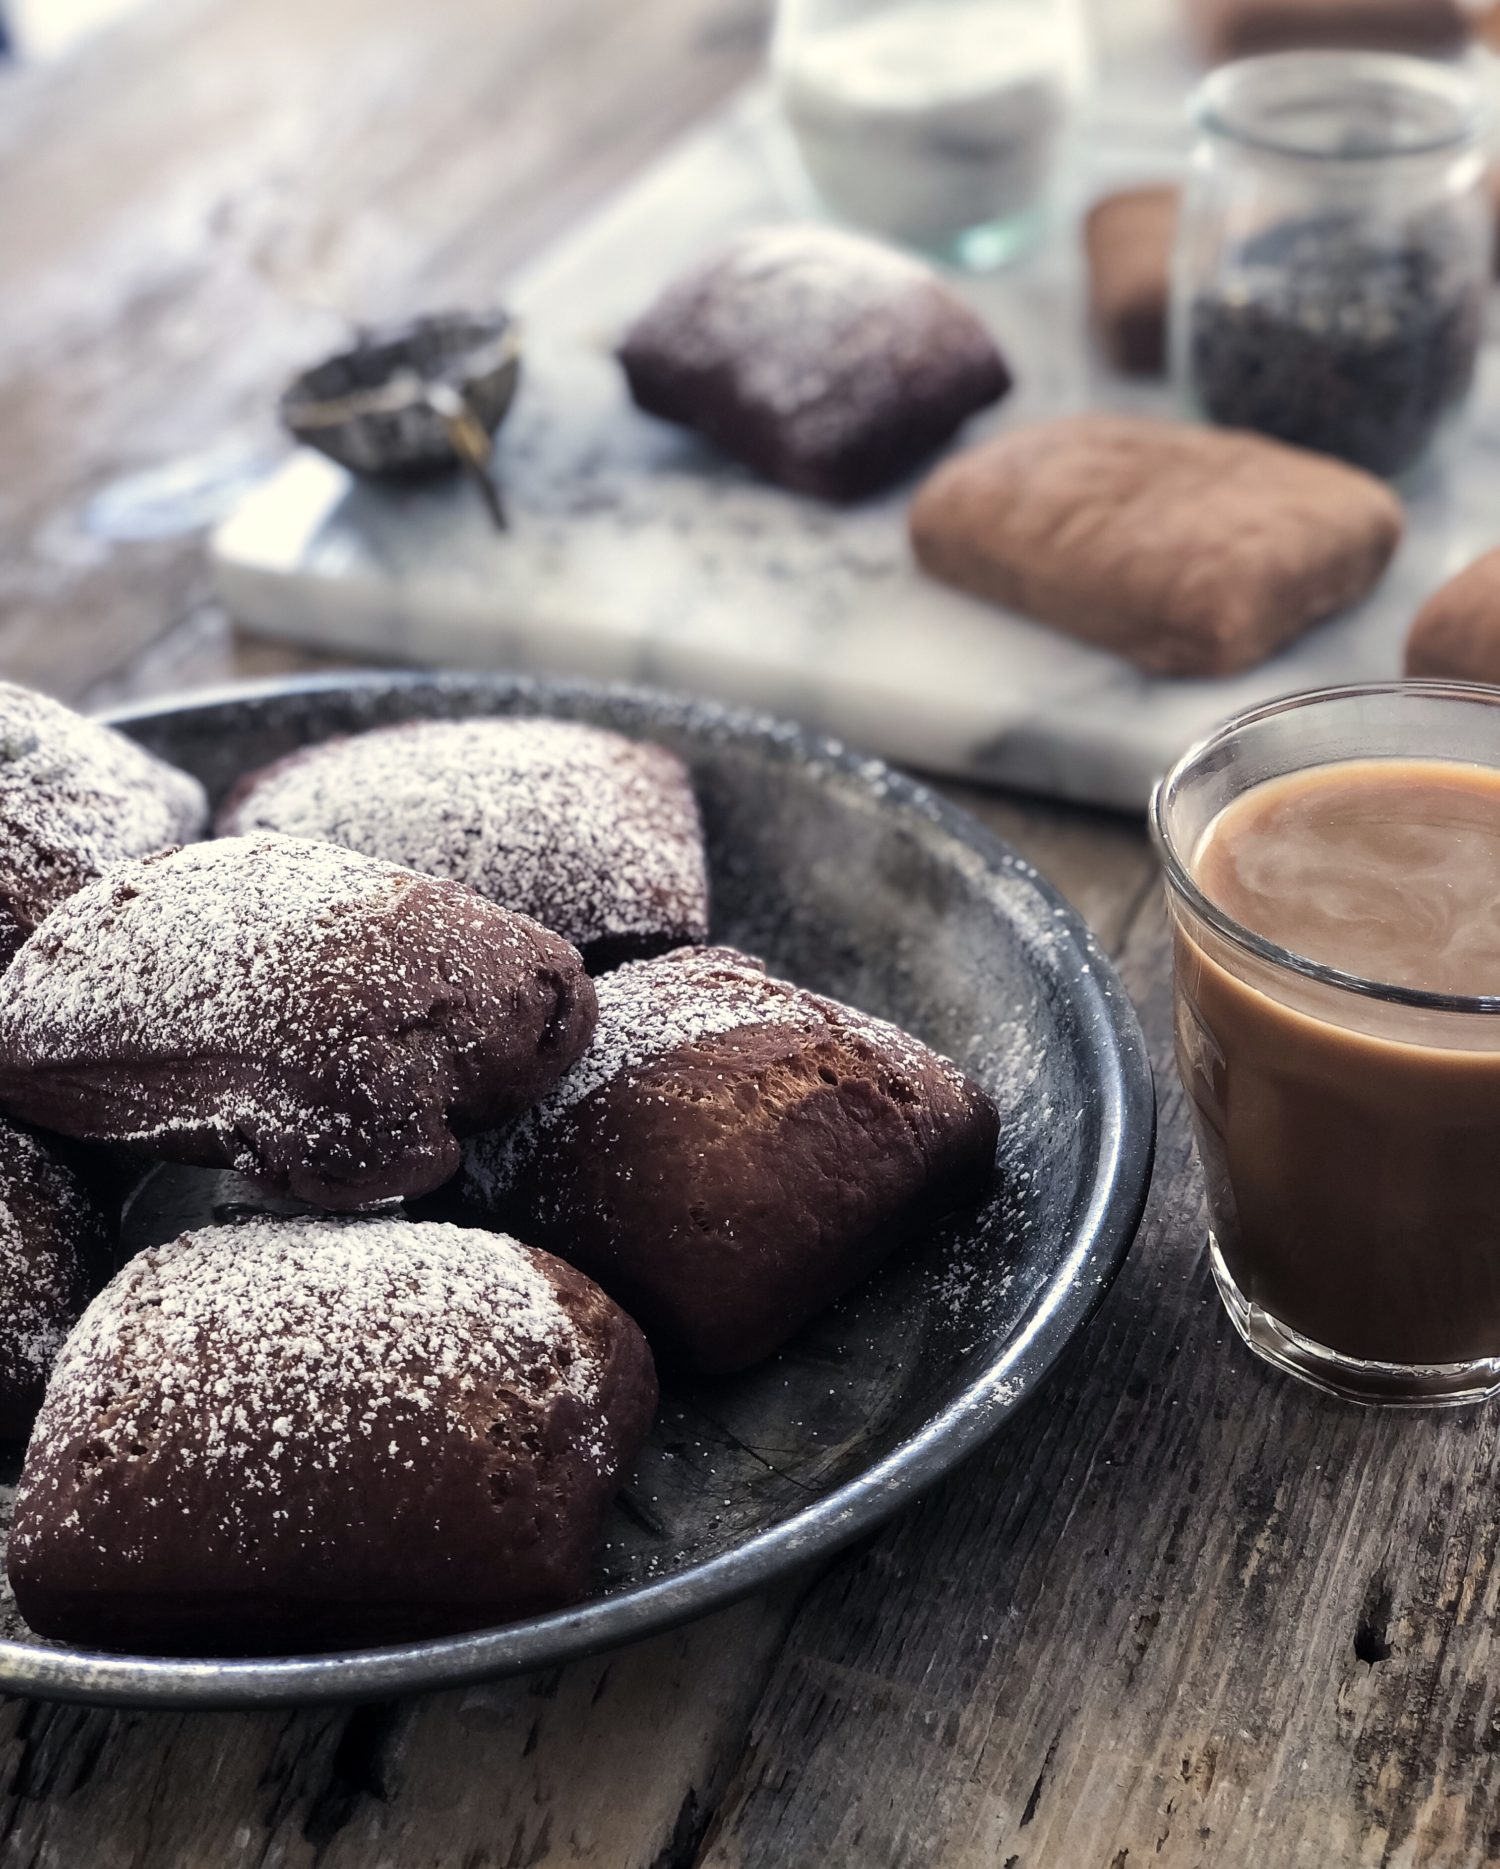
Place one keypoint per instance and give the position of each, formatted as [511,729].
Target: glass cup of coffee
[1333,876]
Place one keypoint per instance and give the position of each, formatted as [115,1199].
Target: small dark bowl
[861,883]
[369,407]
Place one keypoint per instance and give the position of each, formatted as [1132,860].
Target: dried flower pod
[412,399]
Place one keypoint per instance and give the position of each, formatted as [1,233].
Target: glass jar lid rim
[1223,103]
[1180,878]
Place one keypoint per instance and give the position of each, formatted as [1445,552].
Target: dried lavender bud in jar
[1322,334]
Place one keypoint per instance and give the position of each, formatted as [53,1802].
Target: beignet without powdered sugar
[1190,551]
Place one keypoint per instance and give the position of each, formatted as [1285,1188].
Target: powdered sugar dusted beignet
[75,797]
[54,1255]
[732,1153]
[319,1020]
[301,1434]
[594,835]
[825,361]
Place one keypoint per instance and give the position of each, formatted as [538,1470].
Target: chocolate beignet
[55,1244]
[302,1434]
[823,360]
[732,1153]
[75,797]
[593,835]
[323,1022]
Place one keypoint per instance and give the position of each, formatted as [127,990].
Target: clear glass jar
[1334,253]
[937,123]
[1349,1129]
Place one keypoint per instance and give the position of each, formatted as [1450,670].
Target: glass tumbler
[935,123]
[1333,253]
[1349,1130]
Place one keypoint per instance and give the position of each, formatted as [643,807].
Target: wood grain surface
[1184,1613]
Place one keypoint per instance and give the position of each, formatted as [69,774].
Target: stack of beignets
[351,1425]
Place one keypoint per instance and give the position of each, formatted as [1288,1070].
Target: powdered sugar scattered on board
[255,1353]
[650,1009]
[590,833]
[75,797]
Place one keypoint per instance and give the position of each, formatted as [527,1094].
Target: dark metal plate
[854,880]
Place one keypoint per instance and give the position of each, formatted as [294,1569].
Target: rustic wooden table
[1183,1613]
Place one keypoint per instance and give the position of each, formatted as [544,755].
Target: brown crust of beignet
[728,1195]
[55,1252]
[75,797]
[1456,634]
[826,362]
[1189,551]
[594,835]
[733,1152]
[324,1023]
[302,1434]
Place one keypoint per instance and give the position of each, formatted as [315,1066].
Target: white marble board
[635,554]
